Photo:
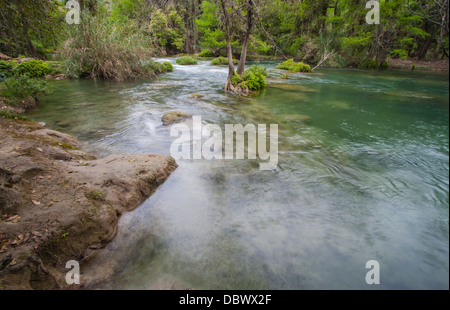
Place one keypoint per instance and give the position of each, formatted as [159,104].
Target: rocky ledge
[59,203]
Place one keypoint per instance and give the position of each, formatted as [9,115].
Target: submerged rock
[296,118]
[293,87]
[196,96]
[174,117]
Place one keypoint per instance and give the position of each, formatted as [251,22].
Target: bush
[155,67]
[253,78]
[186,61]
[6,68]
[100,48]
[222,61]
[399,53]
[291,65]
[33,68]
[168,66]
[206,53]
[373,64]
[54,67]
[22,86]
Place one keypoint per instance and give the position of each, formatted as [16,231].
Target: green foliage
[54,67]
[222,61]
[291,65]
[14,116]
[399,53]
[19,87]
[186,61]
[101,48]
[168,66]
[33,68]
[6,65]
[168,28]
[374,64]
[206,53]
[253,78]
[7,68]
[31,28]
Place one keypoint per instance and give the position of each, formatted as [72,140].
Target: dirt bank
[441,65]
[59,203]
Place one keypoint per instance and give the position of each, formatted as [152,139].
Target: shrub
[291,65]
[186,61]
[6,65]
[6,68]
[222,61]
[168,66]
[100,48]
[399,53]
[373,64]
[206,53]
[253,78]
[22,86]
[14,116]
[33,68]
[54,67]
[154,67]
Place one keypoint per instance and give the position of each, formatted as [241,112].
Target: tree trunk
[248,31]
[228,84]
[439,44]
[423,51]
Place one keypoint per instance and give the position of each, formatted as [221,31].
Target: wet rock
[196,96]
[68,198]
[174,117]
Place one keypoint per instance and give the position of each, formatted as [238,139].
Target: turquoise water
[363,175]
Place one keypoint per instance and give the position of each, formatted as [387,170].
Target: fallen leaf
[20,237]
[33,191]
[17,219]
[36,233]
[39,149]
[35,246]
[12,218]
[4,216]
[37,203]
[41,177]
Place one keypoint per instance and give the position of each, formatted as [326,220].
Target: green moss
[13,116]
[253,78]
[67,146]
[95,195]
[186,61]
[373,64]
[222,61]
[205,54]
[291,65]
[168,66]
[33,68]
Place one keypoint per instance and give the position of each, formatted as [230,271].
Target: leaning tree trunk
[248,32]
[228,84]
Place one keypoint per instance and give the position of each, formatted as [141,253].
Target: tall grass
[100,47]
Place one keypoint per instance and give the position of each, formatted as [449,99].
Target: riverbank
[413,64]
[59,203]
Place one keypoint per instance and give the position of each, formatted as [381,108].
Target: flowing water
[363,175]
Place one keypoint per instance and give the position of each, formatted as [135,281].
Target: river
[363,174]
